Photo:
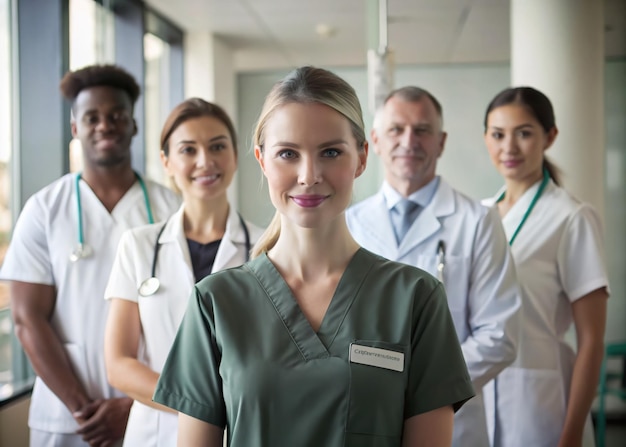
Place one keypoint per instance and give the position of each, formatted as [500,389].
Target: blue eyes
[288,154]
[331,153]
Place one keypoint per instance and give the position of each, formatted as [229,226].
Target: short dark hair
[99,75]
[194,108]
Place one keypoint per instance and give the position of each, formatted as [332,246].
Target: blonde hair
[307,85]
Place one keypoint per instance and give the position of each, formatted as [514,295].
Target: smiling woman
[557,245]
[199,154]
[309,162]
[315,341]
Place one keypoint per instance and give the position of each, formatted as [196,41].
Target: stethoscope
[441,246]
[441,259]
[151,285]
[542,186]
[83,250]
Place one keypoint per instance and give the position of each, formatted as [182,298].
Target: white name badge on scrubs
[381,358]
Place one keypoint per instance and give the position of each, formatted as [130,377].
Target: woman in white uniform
[544,398]
[157,265]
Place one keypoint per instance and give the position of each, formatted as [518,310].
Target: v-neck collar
[312,344]
[512,219]
[121,208]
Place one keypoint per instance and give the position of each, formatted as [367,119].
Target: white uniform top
[479,278]
[45,235]
[559,258]
[161,313]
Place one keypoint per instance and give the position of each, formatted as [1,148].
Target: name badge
[381,358]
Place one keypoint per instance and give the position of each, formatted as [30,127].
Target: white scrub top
[479,278]
[559,258]
[161,313]
[45,235]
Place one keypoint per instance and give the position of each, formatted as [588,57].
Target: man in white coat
[417,218]
[59,260]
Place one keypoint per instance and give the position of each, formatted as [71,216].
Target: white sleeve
[123,282]
[493,303]
[580,255]
[28,256]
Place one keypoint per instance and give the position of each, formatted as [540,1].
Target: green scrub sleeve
[190,380]
[439,374]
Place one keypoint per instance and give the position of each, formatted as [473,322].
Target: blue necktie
[402,216]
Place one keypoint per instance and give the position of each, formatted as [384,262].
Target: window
[157,106]
[6,137]
[91,42]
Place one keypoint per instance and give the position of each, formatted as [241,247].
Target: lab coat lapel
[427,223]
[175,233]
[377,228]
[512,219]
[228,248]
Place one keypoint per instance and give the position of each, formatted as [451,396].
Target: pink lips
[511,163]
[309,200]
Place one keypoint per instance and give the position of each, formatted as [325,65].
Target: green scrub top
[246,358]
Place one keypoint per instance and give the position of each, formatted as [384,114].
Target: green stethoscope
[83,250]
[544,182]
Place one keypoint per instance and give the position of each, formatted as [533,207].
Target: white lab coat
[44,236]
[559,258]
[162,312]
[479,278]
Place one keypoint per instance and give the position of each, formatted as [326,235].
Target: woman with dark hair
[544,398]
[316,341]
[157,265]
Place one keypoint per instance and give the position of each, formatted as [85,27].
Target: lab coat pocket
[377,395]
[454,275]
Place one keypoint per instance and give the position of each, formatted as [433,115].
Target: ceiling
[270,34]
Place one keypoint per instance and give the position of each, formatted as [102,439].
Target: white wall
[210,75]
[464,91]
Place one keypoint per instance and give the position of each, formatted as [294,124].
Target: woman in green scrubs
[316,341]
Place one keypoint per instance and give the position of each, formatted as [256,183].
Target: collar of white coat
[514,216]
[426,225]
[442,204]
[174,227]
[422,196]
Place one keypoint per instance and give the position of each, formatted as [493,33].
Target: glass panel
[91,42]
[6,135]
[5,140]
[156,94]
[6,329]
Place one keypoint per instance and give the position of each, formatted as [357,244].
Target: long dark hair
[539,106]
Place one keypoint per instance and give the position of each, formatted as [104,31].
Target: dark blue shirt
[202,257]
